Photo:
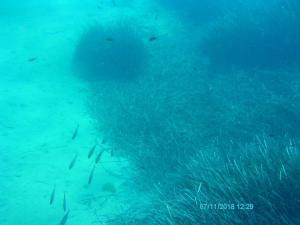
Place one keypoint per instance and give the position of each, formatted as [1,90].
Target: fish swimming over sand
[65,202]
[91,174]
[92,150]
[72,163]
[65,218]
[109,39]
[99,156]
[75,133]
[32,59]
[52,196]
[153,38]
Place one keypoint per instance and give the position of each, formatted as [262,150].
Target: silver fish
[91,152]
[65,202]
[98,157]
[75,133]
[91,174]
[52,195]
[65,218]
[72,163]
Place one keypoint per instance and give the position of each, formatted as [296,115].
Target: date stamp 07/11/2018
[226,206]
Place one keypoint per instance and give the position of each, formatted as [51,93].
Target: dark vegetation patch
[206,135]
[200,137]
[258,184]
[261,38]
[163,119]
[196,12]
[109,54]
[241,34]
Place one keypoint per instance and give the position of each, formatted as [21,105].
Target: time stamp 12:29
[226,206]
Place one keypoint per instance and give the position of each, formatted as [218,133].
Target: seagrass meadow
[150,112]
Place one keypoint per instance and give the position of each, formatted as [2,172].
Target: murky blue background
[149,112]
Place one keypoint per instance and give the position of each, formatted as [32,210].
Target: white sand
[41,103]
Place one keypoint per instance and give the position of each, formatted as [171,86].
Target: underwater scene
[150,112]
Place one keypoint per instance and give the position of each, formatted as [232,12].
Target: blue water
[149,112]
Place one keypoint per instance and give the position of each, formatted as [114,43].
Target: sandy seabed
[41,104]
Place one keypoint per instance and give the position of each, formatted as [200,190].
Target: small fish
[104,141]
[72,163]
[75,133]
[32,59]
[91,174]
[65,218]
[91,152]
[98,157]
[109,39]
[65,202]
[153,38]
[52,195]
